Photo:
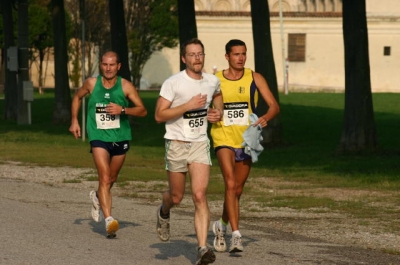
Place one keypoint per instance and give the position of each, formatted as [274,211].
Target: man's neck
[234,74]
[194,75]
[108,83]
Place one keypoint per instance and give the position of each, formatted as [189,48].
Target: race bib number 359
[195,123]
[236,113]
[105,120]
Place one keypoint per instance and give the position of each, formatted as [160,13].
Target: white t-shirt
[179,89]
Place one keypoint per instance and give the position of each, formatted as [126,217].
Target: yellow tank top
[240,100]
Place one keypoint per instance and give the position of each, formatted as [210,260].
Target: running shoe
[162,226]
[112,227]
[236,244]
[219,239]
[205,256]
[96,212]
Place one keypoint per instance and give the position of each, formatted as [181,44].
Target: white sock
[236,233]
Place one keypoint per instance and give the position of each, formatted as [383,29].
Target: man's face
[194,58]
[109,66]
[237,57]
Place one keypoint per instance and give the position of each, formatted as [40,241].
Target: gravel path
[279,236]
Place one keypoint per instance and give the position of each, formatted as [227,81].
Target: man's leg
[176,191]
[173,196]
[199,177]
[108,169]
[226,159]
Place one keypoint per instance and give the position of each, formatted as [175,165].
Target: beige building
[310,36]
[312,41]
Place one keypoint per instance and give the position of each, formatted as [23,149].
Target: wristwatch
[123,111]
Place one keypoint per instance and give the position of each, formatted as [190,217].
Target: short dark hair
[231,43]
[191,41]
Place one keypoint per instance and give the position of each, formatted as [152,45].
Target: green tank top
[102,126]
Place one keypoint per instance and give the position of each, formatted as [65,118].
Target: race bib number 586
[236,113]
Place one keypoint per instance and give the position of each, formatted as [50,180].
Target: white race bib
[195,123]
[236,113]
[105,120]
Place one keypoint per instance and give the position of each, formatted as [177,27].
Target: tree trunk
[23,61]
[40,80]
[359,131]
[187,23]
[119,42]
[62,106]
[10,84]
[265,65]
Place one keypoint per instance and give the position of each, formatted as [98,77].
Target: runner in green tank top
[108,129]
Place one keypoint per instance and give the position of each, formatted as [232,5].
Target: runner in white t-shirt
[187,101]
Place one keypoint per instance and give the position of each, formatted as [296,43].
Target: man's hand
[214,115]
[261,121]
[75,129]
[196,102]
[113,109]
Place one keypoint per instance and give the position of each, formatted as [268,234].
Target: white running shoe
[205,256]
[112,227]
[236,244]
[219,239]
[162,226]
[96,212]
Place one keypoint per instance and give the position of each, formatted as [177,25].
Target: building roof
[272,14]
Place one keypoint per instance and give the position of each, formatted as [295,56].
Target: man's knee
[106,180]
[176,198]
[199,197]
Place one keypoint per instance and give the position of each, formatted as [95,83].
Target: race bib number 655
[195,123]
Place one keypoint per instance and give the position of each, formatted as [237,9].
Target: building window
[386,51]
[297,47]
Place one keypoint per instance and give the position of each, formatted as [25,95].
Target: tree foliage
[151,26]
[94,41]
[40,35]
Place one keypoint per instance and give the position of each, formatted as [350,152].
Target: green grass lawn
[312,125]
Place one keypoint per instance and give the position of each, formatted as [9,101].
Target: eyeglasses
[200,55]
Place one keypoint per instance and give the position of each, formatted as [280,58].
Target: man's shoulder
[210,77]
[207,75]
[176,76]
[91,81]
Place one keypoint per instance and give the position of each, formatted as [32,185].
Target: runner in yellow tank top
[240,89]
[240,100]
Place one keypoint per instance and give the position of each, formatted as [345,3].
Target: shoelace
[164,223]
[236,240]
[220,236]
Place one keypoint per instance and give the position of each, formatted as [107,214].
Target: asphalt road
[45,224]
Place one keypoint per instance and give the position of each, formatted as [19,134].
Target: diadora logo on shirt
[125,146]
[241,89]
[107,95]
